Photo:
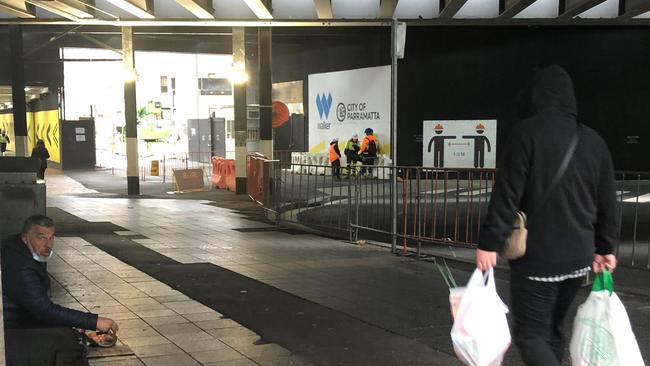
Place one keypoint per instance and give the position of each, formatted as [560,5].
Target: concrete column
[130,112]
[239,65]
[265,89]
[18,89]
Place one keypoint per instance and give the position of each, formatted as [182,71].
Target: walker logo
[324,104]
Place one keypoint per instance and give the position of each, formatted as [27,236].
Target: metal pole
[393,132]
[357,198]
[350,204]
[419,214]
[636,215]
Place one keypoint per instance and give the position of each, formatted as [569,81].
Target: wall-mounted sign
[344,103]
[459,144]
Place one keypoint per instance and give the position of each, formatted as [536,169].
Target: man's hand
[485,259]
[604,261]
[107,325]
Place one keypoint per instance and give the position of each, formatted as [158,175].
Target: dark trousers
[336,168]
[539,309]
[367,161]
[55,346]
[41,171]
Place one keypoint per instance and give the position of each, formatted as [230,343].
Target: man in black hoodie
[570,227]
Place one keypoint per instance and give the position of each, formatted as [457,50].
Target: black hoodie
[578,218]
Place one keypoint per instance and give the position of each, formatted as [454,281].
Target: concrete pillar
[130,112]
[265,89]
[18,89]
[239,65]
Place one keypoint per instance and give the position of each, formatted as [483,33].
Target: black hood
[551,90]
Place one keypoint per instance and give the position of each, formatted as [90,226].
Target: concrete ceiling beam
[449,8]
[632,8]
[261,8]
[324,9]
[571,8]
[387,8]
[18,8]
[510,8]
[201,9]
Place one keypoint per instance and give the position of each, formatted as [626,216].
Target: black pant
[539,309]
[367,161]
[336,168]
[41,171]
[55,346]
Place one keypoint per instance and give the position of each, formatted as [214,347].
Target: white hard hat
[355,136]
[336,139]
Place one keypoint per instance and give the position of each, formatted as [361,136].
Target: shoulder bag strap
[563,168]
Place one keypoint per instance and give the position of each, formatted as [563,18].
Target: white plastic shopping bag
[480,333]
[602,335]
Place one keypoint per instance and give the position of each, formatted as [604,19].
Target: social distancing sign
[459,144]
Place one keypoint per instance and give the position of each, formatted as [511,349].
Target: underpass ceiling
[308,12]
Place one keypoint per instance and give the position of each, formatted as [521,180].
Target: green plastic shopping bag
[602,335]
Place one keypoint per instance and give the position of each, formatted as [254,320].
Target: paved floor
[326,301]
[160,326]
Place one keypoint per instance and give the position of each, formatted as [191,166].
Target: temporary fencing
[223,173]
[430,208]
[633,197]
[162,171]
[259,179]
[433,206]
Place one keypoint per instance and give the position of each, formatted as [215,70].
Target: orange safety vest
[333,155]
[366,142]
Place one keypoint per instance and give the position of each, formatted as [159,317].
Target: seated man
[37,331]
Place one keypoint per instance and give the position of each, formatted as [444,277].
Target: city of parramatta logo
[354,112]
[324,104]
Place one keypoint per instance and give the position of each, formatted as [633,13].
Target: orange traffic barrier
[223,173]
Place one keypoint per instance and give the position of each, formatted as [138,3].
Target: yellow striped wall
[40,125]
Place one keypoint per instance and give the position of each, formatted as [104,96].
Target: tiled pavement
[361,282]
[400,295]
[160,325]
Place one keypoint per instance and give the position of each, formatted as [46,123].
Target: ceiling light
[238,73]
[132,8]
[27,88]
[260,10]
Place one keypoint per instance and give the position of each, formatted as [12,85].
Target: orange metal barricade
[257,176]
[223,173]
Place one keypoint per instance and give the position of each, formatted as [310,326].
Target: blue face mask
[40,258]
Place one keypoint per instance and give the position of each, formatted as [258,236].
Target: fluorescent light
[132,8]
[259,9]
[27,88]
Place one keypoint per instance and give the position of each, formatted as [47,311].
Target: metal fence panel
[435,207]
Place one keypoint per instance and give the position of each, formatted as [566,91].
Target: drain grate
[271,228]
